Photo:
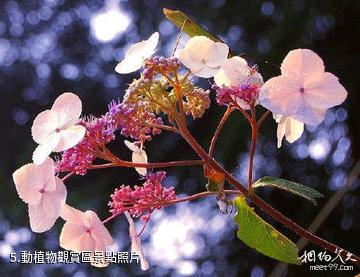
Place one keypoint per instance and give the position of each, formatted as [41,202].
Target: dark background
[48,47]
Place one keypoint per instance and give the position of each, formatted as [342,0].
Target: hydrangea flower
[84,231]
[203,56]
[137,54]
[56,129]
[236,72]
[289,128]
[237,81]
[44,193]
[304,90]
[138,156]
[136,243]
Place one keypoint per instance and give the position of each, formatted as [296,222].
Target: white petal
[140,157]
[294,129]
[131,145]
[281,96]
[193,64]
[300,63]
[70,236]
[137,53]
[44,125]
[129,65]
[68,107]
[44,150]
[281,129]
[232,72]
[136,243]
[217,55]
[324,91]
[70,137]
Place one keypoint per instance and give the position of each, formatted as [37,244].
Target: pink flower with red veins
[303,91]
[84,231]
[42,191]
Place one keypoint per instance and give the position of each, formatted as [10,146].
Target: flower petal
[70,137]
[309,115]
[44,214]
[324,91]
[28,183]
[70,236]
[98,229]
[68,107]
[294,129]
[136,243]
[281,96]
[137,53]
[72,215]
[44,150]
[218,54]
[140,157]
[44,125]
[300,63]
[131,145]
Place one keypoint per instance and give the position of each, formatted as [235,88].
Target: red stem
[218,130]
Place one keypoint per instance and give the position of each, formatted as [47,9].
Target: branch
[122,163]
[218,130]
[262,204]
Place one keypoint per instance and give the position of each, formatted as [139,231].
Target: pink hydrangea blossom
[84,231]
[44,193]
[303,91]
[142,201]
[56,129]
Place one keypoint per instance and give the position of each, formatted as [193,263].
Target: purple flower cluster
[133,122]
[142,201]
[227,95]
[161,65]
[100,131]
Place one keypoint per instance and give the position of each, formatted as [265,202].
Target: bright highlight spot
[109,23]
[319,149]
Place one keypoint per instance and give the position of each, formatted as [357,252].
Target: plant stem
[254,135]
[122,163]
[218,130]
[262,204]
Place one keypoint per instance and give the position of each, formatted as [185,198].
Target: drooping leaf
[182,21]
[261,236]
[295,188]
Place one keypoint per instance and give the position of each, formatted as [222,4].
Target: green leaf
[295,188]
[260,235]
[182,21]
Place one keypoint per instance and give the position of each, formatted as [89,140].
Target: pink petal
[44,125]
[309,115]
[44,214]
[31,178]
[281,96]
[54,201]
[72,215]
[28,183]
[70,137]
[300,63]
[324,91]
[68,108]
[75,237]
[193,64]
[44,150]
[98,229]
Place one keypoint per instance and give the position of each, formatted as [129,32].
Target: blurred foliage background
[51,46]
